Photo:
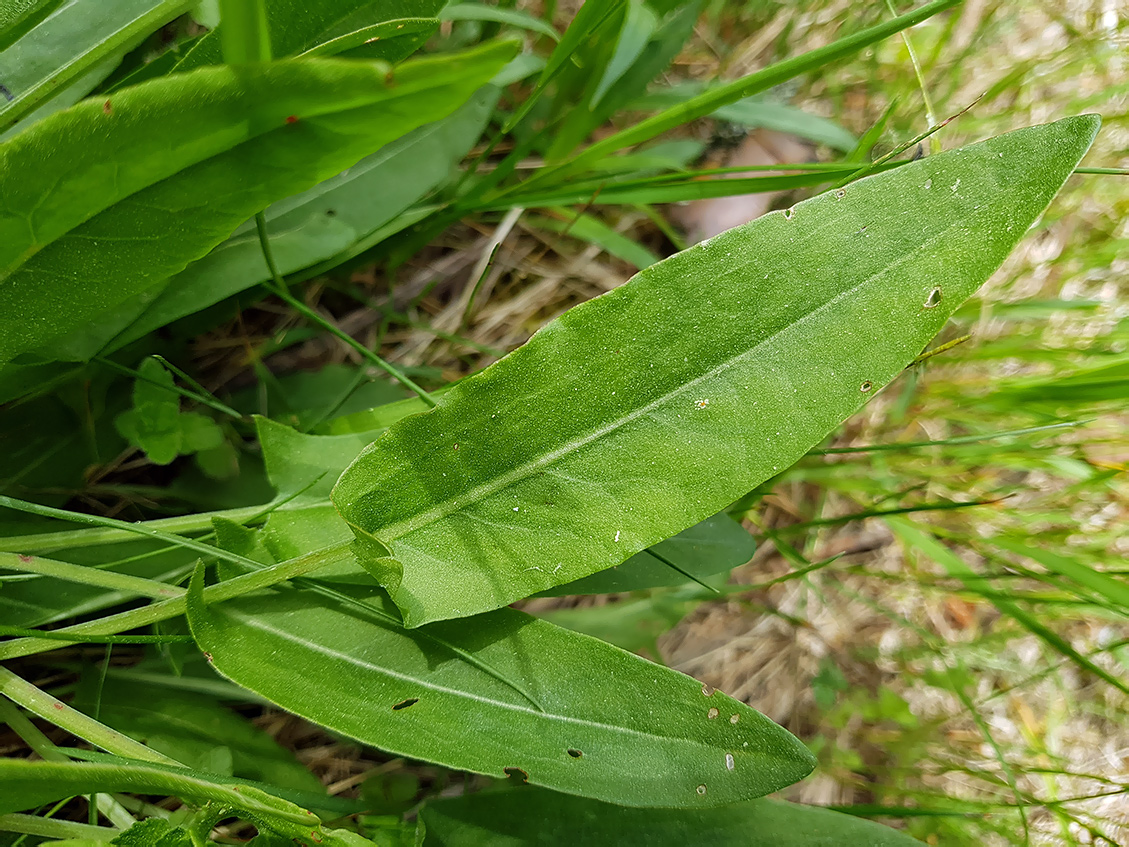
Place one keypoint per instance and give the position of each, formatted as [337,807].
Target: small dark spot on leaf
[106,107]
[389,79]
[576,754]
[292,119]
[934,298]
[331,213]
[24,558]
[866,386]
[7,94]
[516,773]
[411,701]
[58,705]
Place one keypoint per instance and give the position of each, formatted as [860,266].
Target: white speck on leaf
[729,761]
[617,535]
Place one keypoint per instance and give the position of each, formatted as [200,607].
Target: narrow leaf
[68,42]
[587,725]
[529,816]
[640,413]
[25,784]
[122,194]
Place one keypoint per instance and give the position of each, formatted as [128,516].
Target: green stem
[66,539]
[89,576]
[29,733]
[58,829]
[199,397]
[243,32]
[930,112]
[55,711]
[280,290]
[166,609]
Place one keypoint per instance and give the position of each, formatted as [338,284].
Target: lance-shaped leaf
[106,199]
[639,413]
[510,696]
[531,816]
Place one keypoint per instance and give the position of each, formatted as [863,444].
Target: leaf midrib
[401,529]
[256,623]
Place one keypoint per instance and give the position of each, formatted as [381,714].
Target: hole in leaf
[840,193]
[411,701]
[788,214]
[707,690]
[516,773]
[866,386]
[576,754]
[934,298]
[701,789]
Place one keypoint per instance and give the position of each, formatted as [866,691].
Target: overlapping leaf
[105,199]
[530,816]
[509,696]
[644,411]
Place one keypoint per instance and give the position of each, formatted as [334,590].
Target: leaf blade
[535,472]
[406,693]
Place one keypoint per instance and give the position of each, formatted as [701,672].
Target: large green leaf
[508,696]
[55,49]
[530,816]
[120,195]
[642,412]
[330,218]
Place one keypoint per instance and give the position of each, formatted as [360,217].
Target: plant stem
[162,611]
[65,539]
[89,576]
[199,397]
[243,32]
[280,290]
[59,829]
[29,733]
[55,711]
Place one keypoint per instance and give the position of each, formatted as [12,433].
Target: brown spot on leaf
[411,701]
[106,107]
[292,119]
[576,754]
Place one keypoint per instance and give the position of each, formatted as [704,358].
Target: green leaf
[709,101]
[756,112]
[124,209]
[1116,591]
[300,25]
[154,832]
[70,41]
[497,14]
[25,785]
[539,703]
[644,411]
[191,728]
[331,218]
[530,816]
[715,545]
[153,424]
